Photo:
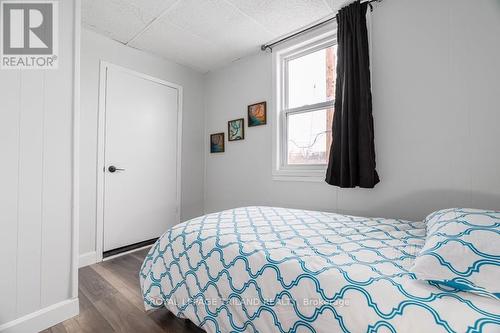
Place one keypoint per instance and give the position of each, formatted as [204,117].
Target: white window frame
[281,169]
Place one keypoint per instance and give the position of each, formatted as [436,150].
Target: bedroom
[209,133]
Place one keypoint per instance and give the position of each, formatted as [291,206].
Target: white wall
[436,83]
[95,48]
[36,137]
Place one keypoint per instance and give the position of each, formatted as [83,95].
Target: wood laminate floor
[110,301]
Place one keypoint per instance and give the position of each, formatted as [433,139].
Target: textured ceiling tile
[221,23]
[179,45]
[203,34]
[121,19]
[337,4]
[331,4]
[284,16]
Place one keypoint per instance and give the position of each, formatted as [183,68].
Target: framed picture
[236,129]
[257,114]
[217,143]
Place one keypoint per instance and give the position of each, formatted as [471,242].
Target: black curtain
[352,154]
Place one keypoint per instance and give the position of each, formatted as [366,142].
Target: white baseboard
[43,318]
[86,259]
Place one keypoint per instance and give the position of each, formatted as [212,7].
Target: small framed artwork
[236,129]
[257,114]
[217,143]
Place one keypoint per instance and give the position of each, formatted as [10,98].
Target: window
[305,88]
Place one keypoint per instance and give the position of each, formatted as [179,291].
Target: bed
[268,269]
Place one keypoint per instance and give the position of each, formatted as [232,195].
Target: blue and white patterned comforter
[265,269]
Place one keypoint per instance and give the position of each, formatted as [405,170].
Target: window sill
[299,175]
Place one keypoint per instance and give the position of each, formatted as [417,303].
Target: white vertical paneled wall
[36,189]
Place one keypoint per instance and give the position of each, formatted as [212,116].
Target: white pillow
[462,250]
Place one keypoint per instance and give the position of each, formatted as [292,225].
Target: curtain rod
[313,27]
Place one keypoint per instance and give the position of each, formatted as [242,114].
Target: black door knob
[112,168]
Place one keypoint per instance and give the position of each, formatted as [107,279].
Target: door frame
[101,138]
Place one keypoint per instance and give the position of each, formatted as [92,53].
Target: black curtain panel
[352,154]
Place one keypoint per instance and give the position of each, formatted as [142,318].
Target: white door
[140,158]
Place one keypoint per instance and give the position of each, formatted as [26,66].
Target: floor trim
[126,252]
[86,259]
[128,248]
[44,318]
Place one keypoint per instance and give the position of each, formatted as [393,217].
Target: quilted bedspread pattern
[267,269]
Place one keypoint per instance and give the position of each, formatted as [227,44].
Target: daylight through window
[308,95]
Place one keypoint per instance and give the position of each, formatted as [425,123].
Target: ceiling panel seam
[249,16]
[147,26]
[183,29]
[328,5]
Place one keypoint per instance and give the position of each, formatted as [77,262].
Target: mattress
[268,269]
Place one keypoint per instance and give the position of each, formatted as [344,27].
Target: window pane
[309,137]
[311,78]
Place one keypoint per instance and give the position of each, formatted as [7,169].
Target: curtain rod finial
[265,47]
